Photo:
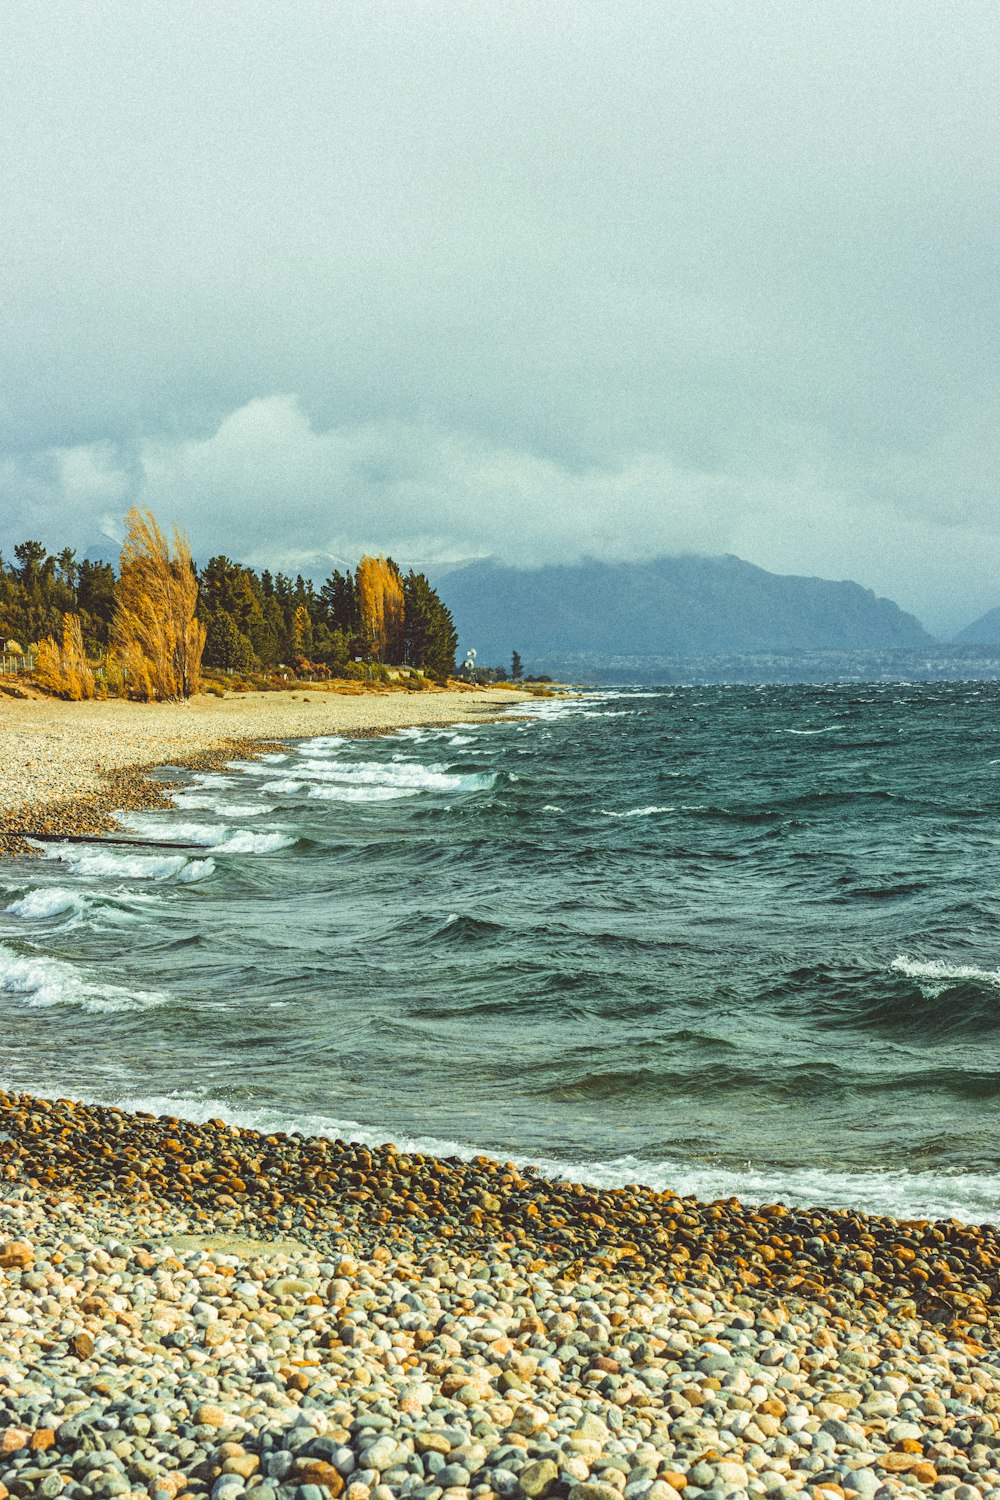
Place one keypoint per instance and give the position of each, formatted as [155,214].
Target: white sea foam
[362,793]
[162,829]
[937,974]
[637,812]
[114,866]
[973,1197]
[244,841]
[460,739]
[589,706]
[193,800]
[49,981]
[323,742]
[242,809]
[275,757]
[410,775]
[47,901]
[217,837]
[827,729]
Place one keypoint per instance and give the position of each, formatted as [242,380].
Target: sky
[451,279]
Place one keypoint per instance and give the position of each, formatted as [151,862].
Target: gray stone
[453,1476]
[536,1479]
[228,1487]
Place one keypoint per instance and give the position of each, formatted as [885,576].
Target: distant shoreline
[66,768]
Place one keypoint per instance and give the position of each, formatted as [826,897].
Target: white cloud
[271,488]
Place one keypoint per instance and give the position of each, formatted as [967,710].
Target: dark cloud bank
[536,282]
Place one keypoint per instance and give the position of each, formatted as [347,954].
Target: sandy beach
[64,767]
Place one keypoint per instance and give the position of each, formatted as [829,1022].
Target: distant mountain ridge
[689,605]
[982,632]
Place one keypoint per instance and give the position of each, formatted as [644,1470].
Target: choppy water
[727,940]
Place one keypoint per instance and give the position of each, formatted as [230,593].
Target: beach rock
[16,1255]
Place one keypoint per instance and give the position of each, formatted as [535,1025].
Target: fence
[13,665]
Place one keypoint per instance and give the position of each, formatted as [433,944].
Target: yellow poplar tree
[156,632]
[380,599]
[63,667]
[301,629]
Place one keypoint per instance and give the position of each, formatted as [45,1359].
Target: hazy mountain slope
[982,632]
[685,604]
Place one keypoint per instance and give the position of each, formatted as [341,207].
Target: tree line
[153,624]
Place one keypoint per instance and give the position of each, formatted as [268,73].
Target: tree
[380,598]
[301,631]
[63,668]
[156,629]
[339,602]
[516,666]
[226,646]
[95,600]
[429,631]
[31,557]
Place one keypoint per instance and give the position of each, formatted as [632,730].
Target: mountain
[982,632]
[104,550]
[680,605]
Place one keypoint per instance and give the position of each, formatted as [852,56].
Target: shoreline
[315,1318]
[66,768]
[213,1311]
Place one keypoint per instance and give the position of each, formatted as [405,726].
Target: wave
[99,864]
[196,800]
[939,975]
[216,837]
[47,901]
[407,774]
[827,729]
[637,812]
[362,793]
[161,829]
[972,1197]
[49,981]
[248,842]
[242,809]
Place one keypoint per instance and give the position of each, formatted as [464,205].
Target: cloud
[272,488]
[534,281]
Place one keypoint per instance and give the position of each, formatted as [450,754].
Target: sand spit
[201,1310]
[65,767]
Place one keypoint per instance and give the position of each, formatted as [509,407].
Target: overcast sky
[534,279]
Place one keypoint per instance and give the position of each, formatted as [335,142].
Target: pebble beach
[204,1310]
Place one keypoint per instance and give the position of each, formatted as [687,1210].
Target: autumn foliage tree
[155,629]
[381,606]
[61,666]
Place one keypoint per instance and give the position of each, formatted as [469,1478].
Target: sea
[723,940]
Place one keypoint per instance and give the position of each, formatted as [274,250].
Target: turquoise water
[727,940]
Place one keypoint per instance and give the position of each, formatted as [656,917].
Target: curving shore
[66,767]
[203,1310]
[196,1309]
